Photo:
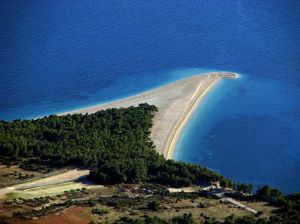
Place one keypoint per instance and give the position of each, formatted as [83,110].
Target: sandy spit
[175,102]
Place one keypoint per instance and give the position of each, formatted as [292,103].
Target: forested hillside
[115,143]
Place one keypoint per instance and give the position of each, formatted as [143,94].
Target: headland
[175,102]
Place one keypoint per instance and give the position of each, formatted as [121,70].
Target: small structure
[216,184]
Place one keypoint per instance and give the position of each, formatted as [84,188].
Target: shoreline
[199,95]
[175,101]
[182,122]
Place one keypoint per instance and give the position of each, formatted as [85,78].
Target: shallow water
[56,56]
[247,130]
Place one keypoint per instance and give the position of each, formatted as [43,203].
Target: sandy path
[71,175]
[175,103]
[239,204]
[67,176]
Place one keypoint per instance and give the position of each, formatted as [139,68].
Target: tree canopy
[114,143]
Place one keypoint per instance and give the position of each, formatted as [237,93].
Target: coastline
[175,102]
[184,119]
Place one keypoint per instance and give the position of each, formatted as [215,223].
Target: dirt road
[70,175]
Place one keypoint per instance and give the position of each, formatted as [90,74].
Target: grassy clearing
[10,175]
[51,190]
[171,207]
[12,195]
[261,206]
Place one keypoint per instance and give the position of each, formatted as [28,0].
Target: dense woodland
[115,143]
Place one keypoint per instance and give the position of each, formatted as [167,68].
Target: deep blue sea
[62,55]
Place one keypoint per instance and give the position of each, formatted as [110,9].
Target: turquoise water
[247,129]
[62,55]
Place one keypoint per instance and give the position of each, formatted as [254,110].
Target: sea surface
[61,55]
